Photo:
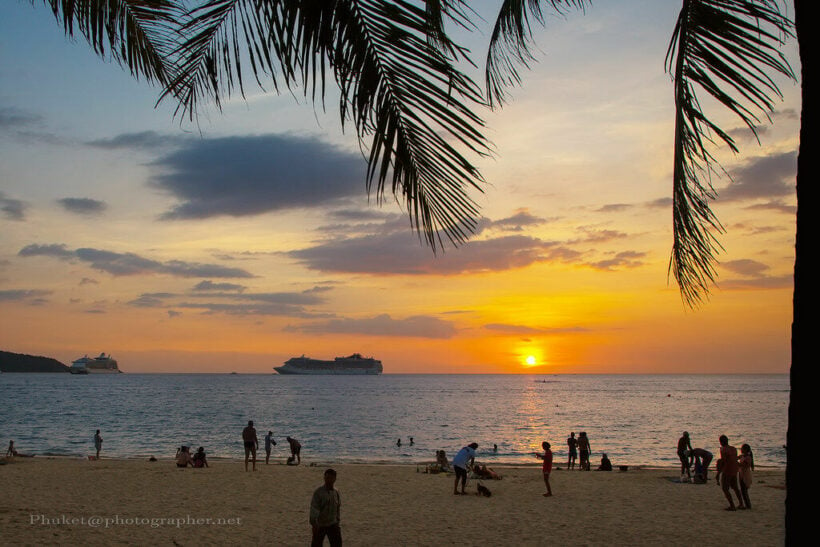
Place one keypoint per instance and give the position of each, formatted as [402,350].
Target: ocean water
[635,419]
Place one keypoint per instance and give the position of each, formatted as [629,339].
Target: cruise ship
[103,364]
[353,364]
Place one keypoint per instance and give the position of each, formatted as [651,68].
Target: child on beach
[746,462]
[547,467]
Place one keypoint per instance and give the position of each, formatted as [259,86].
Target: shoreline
[53,500]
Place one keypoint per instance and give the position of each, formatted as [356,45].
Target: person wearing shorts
[464,458]
[572,444]
[546,469]
[251,442]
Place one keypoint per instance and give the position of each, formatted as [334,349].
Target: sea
[635,419]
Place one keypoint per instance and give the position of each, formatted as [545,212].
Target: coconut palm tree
[414,110]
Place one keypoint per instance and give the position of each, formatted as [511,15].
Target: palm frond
[730,50]
[135,33]
[510,42]
[412,109]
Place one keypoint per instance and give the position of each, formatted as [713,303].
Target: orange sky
[118,236]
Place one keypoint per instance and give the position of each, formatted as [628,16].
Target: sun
[530,360]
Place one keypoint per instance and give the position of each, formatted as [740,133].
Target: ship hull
[354,365]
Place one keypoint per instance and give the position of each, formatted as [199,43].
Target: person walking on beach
[462,460]
[684,449]
[251,442]
[572,444]
[746,462]
[98,443]
[546,469]
[584,449]
[295,451]
[729,469]
[11,451]
[268,442]
[325,513]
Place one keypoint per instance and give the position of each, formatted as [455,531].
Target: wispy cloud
[12,209]
[419,326]
[763,177]
[122,264]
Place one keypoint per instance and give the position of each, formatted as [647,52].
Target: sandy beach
[128,502]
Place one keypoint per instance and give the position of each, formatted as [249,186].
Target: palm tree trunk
[798,474]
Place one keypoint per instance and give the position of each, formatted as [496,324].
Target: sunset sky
[247,239]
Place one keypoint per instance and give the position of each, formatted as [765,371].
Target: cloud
[763,177]
[32,296]
[745,267]
[239,176]
[288,304]
[11,117]
[211,286]
[623,259]
[12,209]
[522,329]
[145,140]
[400,253]
[82,206]
[123,264]
[517,222]
[419,326]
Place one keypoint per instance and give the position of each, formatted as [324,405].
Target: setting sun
[530,360]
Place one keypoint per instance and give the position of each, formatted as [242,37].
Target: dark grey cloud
[82,206]
[208,285]
[287,304]
[660,203]
[11,117]
[624,259]
[12,209]
[401,253]
[145,140]
[614,208]
[31,296]
[239,176]
[419,326]
[121,264]
[763,177]
[774,205]
[517,222]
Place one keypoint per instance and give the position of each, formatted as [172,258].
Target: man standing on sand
[585,449]
[98,443]
[547,467]
[572,443]
[684,449]
[462,460]
[268,441]
[295,451]
[251,442]
[325,513]
[729,470]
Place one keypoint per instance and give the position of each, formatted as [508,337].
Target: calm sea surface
[636,419]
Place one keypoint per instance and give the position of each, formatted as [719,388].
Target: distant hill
[19,362]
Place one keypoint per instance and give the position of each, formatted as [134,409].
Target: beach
[72,501]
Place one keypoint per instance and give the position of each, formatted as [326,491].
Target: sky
[247,238]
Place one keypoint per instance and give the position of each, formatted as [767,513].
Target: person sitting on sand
[463,459]
[484,472]
[606,465]
[441,464]
[183,457]
[199,459]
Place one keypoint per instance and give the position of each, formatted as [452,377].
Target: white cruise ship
[353,364]
[103,364]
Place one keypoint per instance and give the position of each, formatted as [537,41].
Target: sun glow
[530,360]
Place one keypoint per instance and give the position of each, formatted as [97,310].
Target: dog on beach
[483,491]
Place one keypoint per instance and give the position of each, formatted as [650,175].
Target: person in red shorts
[547,467]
